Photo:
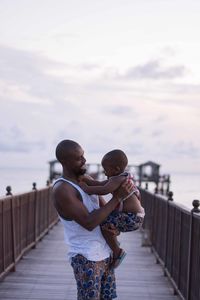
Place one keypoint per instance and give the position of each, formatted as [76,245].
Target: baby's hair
[116,158]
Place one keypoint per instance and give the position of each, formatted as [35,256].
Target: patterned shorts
[95,280]
[122,221]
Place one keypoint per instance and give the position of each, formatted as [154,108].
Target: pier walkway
[44,274]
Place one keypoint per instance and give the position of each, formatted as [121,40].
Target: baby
[129,214]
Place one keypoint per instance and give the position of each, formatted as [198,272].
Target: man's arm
[109,187]
[69,205]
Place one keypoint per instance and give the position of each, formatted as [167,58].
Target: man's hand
[124,190]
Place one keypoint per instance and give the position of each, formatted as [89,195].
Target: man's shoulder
[59,184]
[62,186]
[65,197]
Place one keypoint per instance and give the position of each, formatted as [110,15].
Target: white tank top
[90,244]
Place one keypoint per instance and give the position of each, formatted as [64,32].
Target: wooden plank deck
[44,273]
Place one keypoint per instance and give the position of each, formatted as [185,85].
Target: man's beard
[81,172]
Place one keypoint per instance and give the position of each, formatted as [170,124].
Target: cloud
[154,71]
[161,118]
[136,148]
[100,113]
[30,74]
[118,109]
[21,62]
[58,36]
[137,130]
[13,139]
[18,146]
[89,67]
[185,149]
[186,88]
[157,133]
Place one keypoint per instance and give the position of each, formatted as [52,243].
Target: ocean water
[185,186]
[21,179]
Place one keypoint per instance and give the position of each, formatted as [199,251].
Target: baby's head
[114,162]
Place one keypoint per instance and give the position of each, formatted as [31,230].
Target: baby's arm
[110,186]
[90,181]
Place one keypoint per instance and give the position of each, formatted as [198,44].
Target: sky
[108,74]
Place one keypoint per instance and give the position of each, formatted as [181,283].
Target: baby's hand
[86,179]
[83,185]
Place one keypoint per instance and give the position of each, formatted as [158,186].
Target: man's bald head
[64,149]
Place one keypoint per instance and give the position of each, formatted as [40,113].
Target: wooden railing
[174,235]
[24,220]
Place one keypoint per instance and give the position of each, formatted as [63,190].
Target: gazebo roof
[149,163]
[52,162]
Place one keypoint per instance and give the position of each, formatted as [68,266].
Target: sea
[185,186]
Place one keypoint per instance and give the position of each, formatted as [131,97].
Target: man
[81,215]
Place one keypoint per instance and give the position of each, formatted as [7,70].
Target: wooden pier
[44,272]
[171,230]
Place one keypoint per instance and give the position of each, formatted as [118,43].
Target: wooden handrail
[25,219]
[172,232]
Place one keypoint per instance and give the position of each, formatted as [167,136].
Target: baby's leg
[133,205]
[127,221]
[118,253]
[110,231]
[111,240]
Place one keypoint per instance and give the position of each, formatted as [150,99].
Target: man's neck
[70,177]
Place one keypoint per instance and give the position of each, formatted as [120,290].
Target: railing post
[35,214]
[154,218]
[13,235]
[170,198]
[3,237]
[196,204]
[48,183]
[162,188]
[8,190]
[179,261]
[48,206]
[168,184]
[34,186]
